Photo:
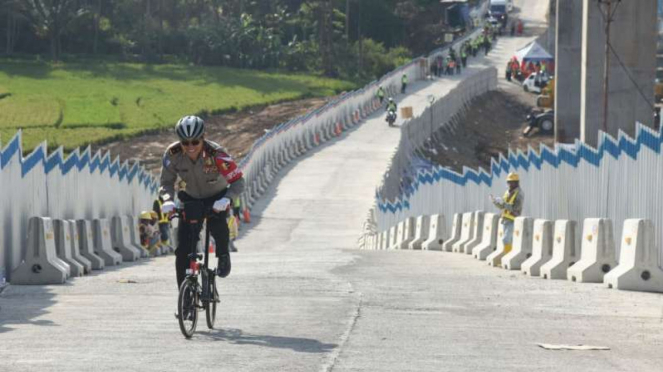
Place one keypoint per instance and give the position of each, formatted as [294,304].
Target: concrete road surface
[302,298]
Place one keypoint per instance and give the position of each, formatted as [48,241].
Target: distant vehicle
[545,121]
[536,82]
[499,10]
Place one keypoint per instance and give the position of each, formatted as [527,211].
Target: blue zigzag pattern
[572,155]
[56,160]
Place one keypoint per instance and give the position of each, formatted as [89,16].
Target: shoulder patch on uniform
[175,148]
[209,149]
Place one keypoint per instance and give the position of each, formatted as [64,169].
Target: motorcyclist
[391,107]
[211,177]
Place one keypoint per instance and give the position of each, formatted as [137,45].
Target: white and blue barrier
[80,185]
[617,180]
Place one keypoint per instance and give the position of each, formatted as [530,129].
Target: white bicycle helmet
[190,128]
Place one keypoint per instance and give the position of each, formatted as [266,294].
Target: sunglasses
[190,143]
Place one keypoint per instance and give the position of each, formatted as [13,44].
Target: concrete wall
[568,61]
[633,36]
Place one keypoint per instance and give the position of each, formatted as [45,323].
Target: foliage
[77,103]
[319,36]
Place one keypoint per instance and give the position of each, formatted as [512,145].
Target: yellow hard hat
[145,215]
[512,177]
[153,215]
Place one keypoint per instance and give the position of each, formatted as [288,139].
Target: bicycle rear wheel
[187,313]
[210,306]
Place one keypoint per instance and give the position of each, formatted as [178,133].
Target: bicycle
[195,294]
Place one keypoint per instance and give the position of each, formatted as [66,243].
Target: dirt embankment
[493,125]
[236,132]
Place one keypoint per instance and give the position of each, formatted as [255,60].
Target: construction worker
[463,55]
[511,205]
[380,94]
[403,83]
[162,218]
[149,233]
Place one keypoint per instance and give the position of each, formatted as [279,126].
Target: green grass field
[74,104]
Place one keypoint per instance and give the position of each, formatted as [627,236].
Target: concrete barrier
[465,232]
[522,244]
[41,264]
[565,251]
[393,232]
[542,246]
[86,244]
[384,241]
[495,259]
[400,228]
[63,247]
[420,232]
[436,233]
[134,232]
[488,237]
[598,252]
[477,233]
[639,259]
[456,230]
[407,236]
[103,246]
[71,235]
[120,240]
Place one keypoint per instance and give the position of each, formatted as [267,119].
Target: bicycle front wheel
[210,308]
[187,313]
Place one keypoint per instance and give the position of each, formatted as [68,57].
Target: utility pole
[608,19]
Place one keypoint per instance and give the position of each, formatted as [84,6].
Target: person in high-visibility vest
[380,94]
[511,205]
[162,218]
[403,83]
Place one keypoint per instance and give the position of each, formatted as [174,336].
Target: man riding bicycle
[212,177]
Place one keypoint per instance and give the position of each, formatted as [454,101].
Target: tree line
[344,38]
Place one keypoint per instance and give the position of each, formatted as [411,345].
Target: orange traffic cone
[247,216]
[212,247]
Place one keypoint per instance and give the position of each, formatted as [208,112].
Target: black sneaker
[223,266]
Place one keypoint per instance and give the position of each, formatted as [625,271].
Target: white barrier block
[71,235]
[488,237]
[384,240]
[408,233]
[542,247]
[522,244]
[120,240]
[393,232]
[495,258]
[135,235]
[378,241]
[41,265]
[598,252]
[465,232]
[63,247]
[400,229]
[477,233]
[638,268]
[103,246]
[86,244]
[420,232]
[436,233]
[456,225]
[565,252]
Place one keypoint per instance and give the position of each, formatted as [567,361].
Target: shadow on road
[238,337]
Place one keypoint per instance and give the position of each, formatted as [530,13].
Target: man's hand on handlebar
[221,205]
[168,207]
